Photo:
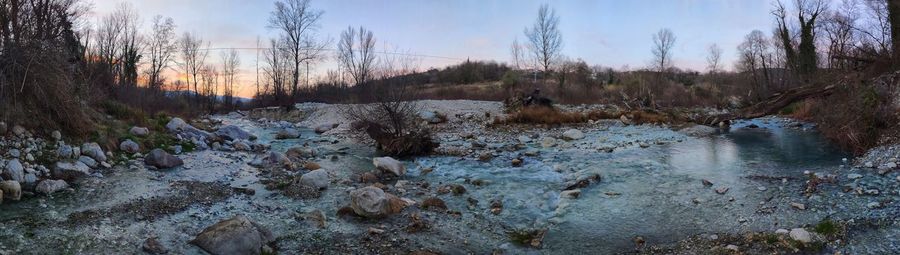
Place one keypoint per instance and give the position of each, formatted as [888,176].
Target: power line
[331,49]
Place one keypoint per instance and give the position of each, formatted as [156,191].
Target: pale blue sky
[613,33]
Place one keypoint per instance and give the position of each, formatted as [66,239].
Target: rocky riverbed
[311,185]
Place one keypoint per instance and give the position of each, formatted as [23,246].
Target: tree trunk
[894,19]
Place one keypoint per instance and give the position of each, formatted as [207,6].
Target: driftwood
[771,105]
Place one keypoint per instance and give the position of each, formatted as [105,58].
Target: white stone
[317,179]
[800,235]
[390,165]
[854,176]
[573,134]
[782,231]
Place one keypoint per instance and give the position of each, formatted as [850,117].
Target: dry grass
[554,116]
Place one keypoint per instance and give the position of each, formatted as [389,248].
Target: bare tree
[356,54]
[755,59]
[131,43]
[517,54]
[893,10]
[840,33]
[544,38]
[298,23]
[230,63]
[663,42]
[276,70]
[713,59]
[193,59]
[161,48]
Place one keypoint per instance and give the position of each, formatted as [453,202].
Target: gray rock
[301,152]
[241,146]
[237,235]
[370,202]
[88,161]
[317,179]
[389,165]
[854,176]
[15,153]
[19,131]
[800,235]
[524,139]
[573,134]
[94,151]
[130,146]
[30,178]
[548,142]
[48,187]
[139,131]
[56,135]
[287,133]
[70,170]
[15,171]
[325,127]
[186,131]
[11,190]
[232,132]
[162,159]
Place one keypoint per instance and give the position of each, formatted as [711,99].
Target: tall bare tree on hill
[298,23]
[544,38]
[356,54]
[161,48]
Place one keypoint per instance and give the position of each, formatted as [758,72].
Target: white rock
[70,170]
[782,231]
[800,235]
[56,135]
[15,170]
[548,142]
[130,146]
[732,247]
[854,176]
[94,151]
[524,139]
[390,165]
[88,161]
[573,134]
[316,178]
[370,202]
[139,131]
[48,187]
[873,205]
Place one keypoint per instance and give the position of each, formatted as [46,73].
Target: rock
[570,193]
[14,170]
[162,159]
[15,153]
[732,247]
[88,161]
[800,235]
[94,151]
[890,165]
[524,139]
[432,117]
[70,170]
[301,152]
[48,187]
[56,135]
[65,152]
[186,131]
[799,206]
[370,202]
[316,217]
[11,190]
[130,146]
[516,162]
[706,182]
[232,132]
[389,165]
[317,179]
[241,146]
[325,128]
[30,178]
[275,158]
[873,205]
[573,134]
[782,231]
[624,119]
[485,156]
[287,133]
[3,128]
[434,203]
[237,235]
[699,131]
[153,246]
[548,142]
[19,131]
[139,131]
[722,190]
[854,176]
[375,231]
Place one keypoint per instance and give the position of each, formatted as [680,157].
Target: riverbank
[604,186]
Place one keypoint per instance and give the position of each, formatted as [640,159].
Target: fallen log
[771,105]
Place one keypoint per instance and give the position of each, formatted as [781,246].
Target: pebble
[873,205]
[761,188]
[854,176]
[799,206]
[732,247]
[800,235]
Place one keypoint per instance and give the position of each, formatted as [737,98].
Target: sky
[612,33]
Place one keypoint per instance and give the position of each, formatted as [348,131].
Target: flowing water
[655,192]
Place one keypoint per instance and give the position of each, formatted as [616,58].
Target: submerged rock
[48,187]
[573,134]
[11,190]
[162,159]
[237,235]
[390,165]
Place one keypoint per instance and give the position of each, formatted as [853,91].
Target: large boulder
[237,236]
[139,131]
[48,187]
[370,202]
[11,190]
[130,146]
[389,165]
[70,170]
[232,132]
[94,151]
[162,159]
[14,170]
[287,133]
[573,134]
[317,179]
[325,127]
